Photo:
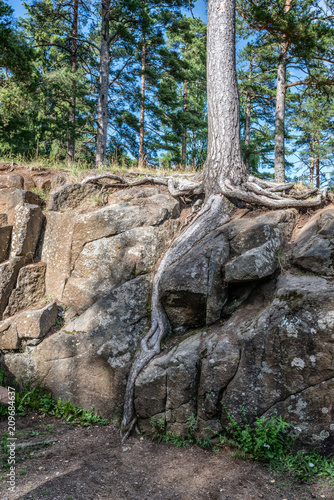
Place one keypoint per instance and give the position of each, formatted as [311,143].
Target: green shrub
[269,439]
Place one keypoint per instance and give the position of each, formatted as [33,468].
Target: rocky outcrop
[244,333]
[30,326]
[29,290]
[91,356]
[96,262]
[314,250]
[90,253]
[262,359]
[194,289]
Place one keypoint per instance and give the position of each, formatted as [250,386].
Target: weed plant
[270,440]
[36,399]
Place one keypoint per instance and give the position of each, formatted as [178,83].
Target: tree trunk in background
[184,134]
[317,163]
[248,117]
[74,58]
[224,159]
[280,106]
[142,103]
[102,116]
[311,165]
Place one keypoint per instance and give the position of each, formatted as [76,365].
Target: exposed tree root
[176,186]
[208,219]
[251,195]
[253,190]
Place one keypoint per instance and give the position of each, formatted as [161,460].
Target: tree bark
[280,105]
[280,114]
[317,163]
[248,117]
[74,58]
[311,167]
[102,117]
[142,103]
[184,133]
[185,109]
[224,159]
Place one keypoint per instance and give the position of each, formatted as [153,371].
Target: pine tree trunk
[102,116]
[142,103]
[247,127]
[184,134]
[317,163]
[311,167]
[280,114]
[74,58]
[248,117]
[280,106]
[193,152]
[224,159]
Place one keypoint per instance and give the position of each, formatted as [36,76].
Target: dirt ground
[92,463]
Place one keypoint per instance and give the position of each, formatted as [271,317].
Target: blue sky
[199,10]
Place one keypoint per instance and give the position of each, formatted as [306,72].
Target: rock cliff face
[251,306]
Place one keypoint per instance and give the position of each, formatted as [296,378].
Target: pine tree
[315,124]
[303,32]
[64,110]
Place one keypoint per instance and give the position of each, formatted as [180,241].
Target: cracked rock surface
[247,334]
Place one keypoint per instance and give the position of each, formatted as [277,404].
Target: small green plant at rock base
[161,434]
[282,260]
[42,193]
[46,300]
[37,399]
[269,440]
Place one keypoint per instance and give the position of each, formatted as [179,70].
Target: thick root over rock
[207,220]
[254,191]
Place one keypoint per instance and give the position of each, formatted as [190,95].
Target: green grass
[83,165]
[42,193]
[272,441]
[36,399]
[269,440]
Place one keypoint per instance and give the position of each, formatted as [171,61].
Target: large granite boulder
[88,254]
[314,250]
[194,289]
[255,245]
